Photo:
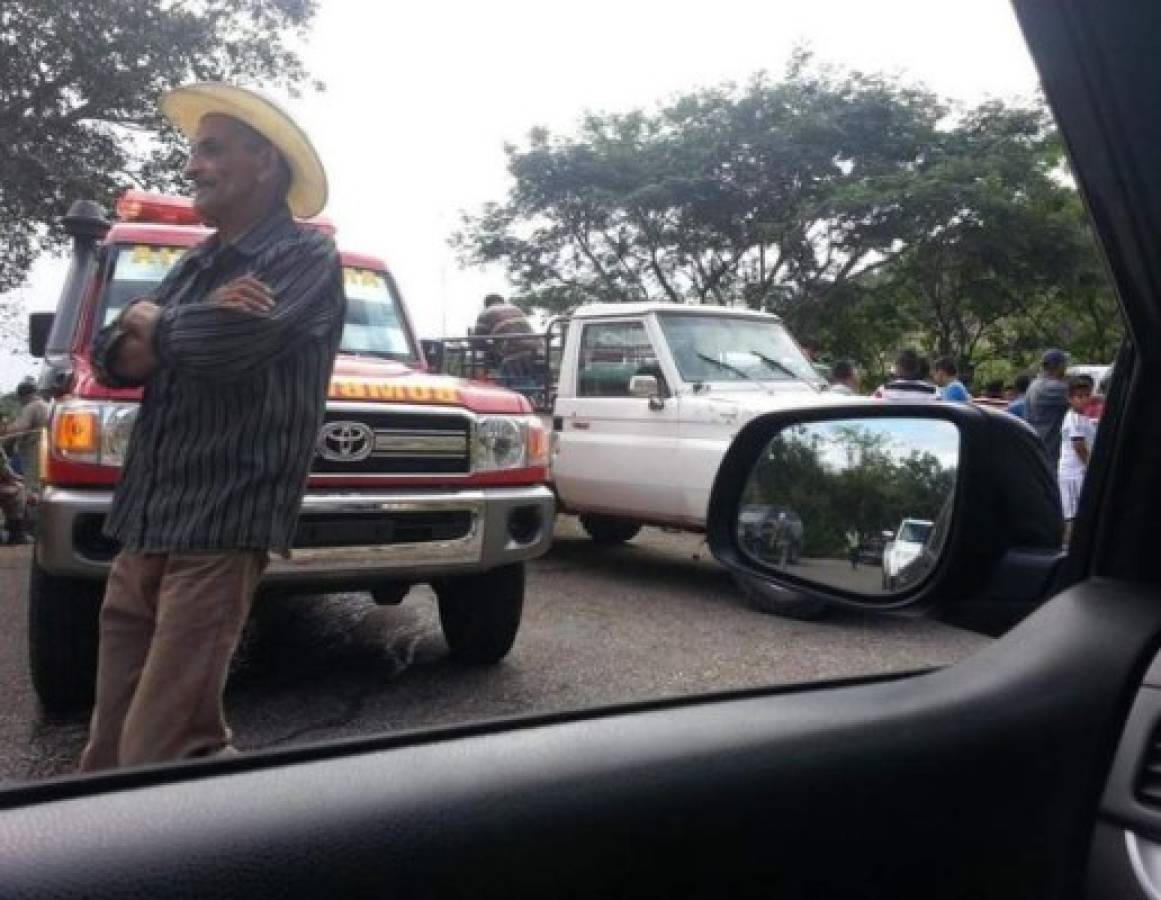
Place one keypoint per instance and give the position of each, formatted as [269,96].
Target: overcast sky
[422,97]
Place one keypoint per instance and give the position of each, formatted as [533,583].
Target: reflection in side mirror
[643,386]
[862,505]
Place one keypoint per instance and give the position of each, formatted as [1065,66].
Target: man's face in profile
[228,162]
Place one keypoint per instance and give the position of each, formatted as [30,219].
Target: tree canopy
[864,210]
[79,83]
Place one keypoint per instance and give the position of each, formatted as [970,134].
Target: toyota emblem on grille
[348,442]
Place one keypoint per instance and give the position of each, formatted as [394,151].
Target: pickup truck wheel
[63,627]
[480,614]
[610,529]
[774,601]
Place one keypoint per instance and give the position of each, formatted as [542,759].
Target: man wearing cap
[1046,402]
[234,350]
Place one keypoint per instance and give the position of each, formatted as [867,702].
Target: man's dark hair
[26,388]
[1023,382]
[842,370]
[1078,383]
[946,365]
[493,300]
[908,365]
[994,389]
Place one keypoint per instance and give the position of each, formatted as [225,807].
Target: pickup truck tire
[480,614]
[777,602]
[63,628]
[610,529]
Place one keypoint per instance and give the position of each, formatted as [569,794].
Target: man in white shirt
[1077,433]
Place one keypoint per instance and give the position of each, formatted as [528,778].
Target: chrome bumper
[488,542]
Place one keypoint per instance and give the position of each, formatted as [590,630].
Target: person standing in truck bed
[235,350]
[512,354]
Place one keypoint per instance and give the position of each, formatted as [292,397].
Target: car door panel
[611,451]
[912,786]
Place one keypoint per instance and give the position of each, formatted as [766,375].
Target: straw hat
[185,106]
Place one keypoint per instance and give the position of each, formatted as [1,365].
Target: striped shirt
[226,432]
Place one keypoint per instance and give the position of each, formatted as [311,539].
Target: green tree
[774,194]
[868,213]
[79,82]
[1007,264]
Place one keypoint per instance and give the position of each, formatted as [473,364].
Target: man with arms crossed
[235,350]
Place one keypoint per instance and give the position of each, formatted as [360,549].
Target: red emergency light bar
[163,209]
[140,206]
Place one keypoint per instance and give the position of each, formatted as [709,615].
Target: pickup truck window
[374,325]
[747,348]
[610,354]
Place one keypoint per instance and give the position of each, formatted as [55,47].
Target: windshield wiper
[730,367]
[777,366]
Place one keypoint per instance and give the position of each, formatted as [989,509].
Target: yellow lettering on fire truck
[359,389]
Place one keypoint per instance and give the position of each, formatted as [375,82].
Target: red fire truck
[416,477]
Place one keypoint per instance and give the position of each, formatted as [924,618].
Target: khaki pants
[169,626]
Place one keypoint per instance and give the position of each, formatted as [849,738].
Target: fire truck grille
[393,443]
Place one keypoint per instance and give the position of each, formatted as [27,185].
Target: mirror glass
[859,504]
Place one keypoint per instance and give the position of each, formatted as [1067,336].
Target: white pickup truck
[648,398]
[645,398]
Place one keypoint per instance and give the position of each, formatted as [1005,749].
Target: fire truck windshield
[374,327]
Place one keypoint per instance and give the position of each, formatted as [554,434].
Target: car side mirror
[973,487]
[39,326]
[643,386]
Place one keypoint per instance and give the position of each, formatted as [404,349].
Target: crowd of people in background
[1062,410]
[20,462]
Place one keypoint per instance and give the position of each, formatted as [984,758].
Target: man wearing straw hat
[235,350]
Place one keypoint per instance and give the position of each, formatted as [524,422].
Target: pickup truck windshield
[732,348]
[374,326]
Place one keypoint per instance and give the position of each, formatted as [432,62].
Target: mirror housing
[1004,531]
[643,386]
[39,327]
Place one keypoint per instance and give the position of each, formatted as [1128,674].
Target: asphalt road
[655,618]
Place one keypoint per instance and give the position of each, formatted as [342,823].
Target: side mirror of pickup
[643,386]
[39,326]
[976,484]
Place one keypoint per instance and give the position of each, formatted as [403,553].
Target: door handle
[581,426]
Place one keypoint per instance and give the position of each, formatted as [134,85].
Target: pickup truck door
[615,453]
